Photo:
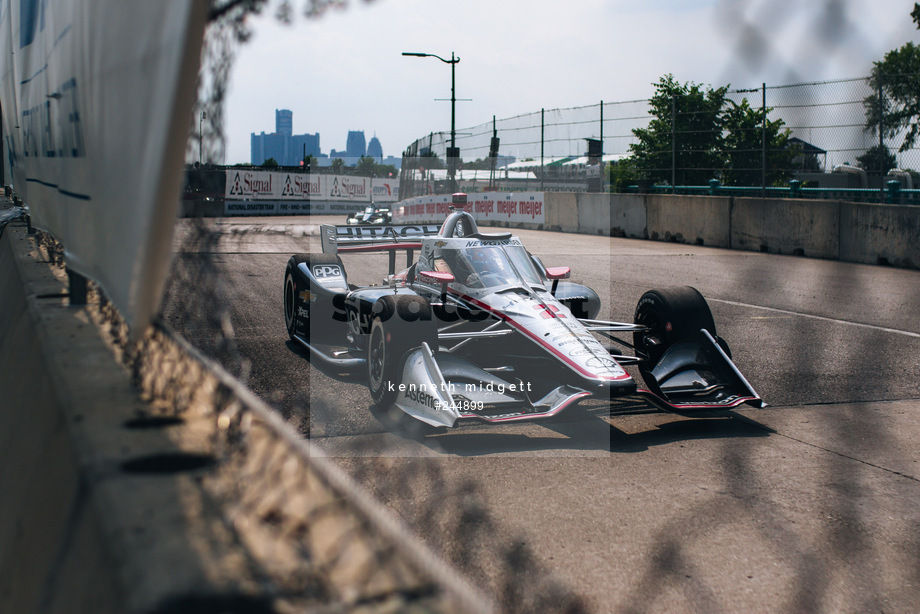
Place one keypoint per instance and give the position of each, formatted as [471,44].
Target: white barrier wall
[97,96]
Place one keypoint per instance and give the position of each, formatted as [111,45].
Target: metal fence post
[673,143]
[763,134]
[881,138]
[542,129]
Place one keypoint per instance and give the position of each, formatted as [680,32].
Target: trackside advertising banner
[257,185]
[516,207]
[96,98]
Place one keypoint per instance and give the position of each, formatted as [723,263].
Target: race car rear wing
[390,239]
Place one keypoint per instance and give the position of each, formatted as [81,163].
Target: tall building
[287,148]
[374,150]
[284,122]
[355,146]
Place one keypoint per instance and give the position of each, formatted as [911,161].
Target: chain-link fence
[822,134]
[547,150]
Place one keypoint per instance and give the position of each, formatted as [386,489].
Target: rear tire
[399,324]
[672,315]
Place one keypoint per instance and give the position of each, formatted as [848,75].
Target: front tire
[399,324]
[297,308]
[671,315]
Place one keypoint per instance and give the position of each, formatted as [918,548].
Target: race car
[370,215]
[478,329]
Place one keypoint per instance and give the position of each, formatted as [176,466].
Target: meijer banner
[516,207]
[96,98]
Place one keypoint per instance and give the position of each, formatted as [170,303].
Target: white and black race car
[479,329]
[372,215]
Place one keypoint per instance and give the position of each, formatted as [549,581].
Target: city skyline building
[282,145]
[289,149]
[355,144]
[284,122]
[374,149]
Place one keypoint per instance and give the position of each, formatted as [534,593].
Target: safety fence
[823,134]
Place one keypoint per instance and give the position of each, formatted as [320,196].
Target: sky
[344,71]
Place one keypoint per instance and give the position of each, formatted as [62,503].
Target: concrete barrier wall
[593,215]
[786,226]
[852,232]
[562,216]
[204,501]
[880,234]
[628,217]
[701,220]
[54,551]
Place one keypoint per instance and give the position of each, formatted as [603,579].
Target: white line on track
[814,317]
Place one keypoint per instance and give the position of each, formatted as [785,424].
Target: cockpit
[489,266]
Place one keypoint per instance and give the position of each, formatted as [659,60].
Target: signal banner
[513,208]
[246,184]
[97,98]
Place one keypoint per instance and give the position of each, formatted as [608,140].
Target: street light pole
[452,153]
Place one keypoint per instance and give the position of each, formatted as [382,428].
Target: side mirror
[435,277]
[555,273]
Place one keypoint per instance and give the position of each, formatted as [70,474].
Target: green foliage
[270,163]
[877,160]
[623,174]
[367,166]
[430,160]
[702,135]
[337,166]
[686,128]
[898,109]
[746,128]
[480,164]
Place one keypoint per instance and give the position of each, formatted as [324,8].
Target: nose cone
[552,326]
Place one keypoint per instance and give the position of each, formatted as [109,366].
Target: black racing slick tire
[671,315]
[399,323]
[297,304]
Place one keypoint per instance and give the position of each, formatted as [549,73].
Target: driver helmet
[487,261]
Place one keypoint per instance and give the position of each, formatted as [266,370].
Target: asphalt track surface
[810,504]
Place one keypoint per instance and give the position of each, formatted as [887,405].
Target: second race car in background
[371,215]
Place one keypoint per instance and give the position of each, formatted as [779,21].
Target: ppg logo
[327,270]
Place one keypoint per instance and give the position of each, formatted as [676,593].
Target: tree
[896,104]
[338,166]
[685,133]
[366,166]
[745,129]
[622,174]
[877,160]
[479,164]
[430,160]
